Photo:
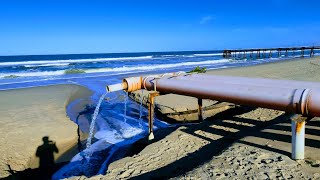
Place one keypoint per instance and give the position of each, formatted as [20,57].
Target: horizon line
[136,52]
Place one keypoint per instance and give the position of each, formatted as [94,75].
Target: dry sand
[27,115]
[234,142]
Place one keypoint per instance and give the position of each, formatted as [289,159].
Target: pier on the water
[270,52]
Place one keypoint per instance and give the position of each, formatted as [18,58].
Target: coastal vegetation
[198,69]
[11,76]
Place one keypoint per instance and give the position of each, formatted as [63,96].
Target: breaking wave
[56,62]
[118,69]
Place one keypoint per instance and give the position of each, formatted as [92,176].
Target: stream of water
[140,109]
[92,125]
[125,107]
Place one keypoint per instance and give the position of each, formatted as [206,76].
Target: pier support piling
[262,53]
[270,54]
[312,52]
[302,52]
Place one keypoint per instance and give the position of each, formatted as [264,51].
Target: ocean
[118,123]
[38,70]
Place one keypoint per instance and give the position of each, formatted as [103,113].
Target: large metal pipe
[295,100]
[269,94]
[249,81]
[291,96]
[286,99]
[216,79]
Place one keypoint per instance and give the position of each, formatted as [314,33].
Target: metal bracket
[152,95]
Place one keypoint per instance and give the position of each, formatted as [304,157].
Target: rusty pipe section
[295,98]
[136,83]
[249,81]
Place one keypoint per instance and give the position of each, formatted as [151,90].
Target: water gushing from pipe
[125,107]
[93,122]
[140,111]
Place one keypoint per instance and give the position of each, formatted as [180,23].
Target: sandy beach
[27,116]
[225,97]
[233,142]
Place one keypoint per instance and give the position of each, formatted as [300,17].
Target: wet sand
[28,115]
[234,142]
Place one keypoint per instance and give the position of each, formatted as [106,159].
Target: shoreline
[186,152]
[141,147]
[277,70]
[28,115]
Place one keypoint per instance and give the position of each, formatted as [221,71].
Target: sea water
[125,107]
[116,124]
[140,109]
[93,122]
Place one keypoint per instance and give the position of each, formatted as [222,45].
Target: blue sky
[92,26]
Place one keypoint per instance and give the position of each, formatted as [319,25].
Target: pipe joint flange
[133,83]
[304,102]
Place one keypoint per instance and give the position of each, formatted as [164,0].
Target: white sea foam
[160,66]
[191,55]
[30,74]
[118,69]
[214,54]
[73,61]
[169,55]
[33,74]
[46,65]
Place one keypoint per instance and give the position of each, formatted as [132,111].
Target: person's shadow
[45,152]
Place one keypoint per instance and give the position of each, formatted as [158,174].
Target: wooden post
[312,52]
[270,54]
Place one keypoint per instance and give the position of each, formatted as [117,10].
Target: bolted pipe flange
[133,83]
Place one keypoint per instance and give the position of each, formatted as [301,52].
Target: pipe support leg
[298,137]
[152,95]
[200,116]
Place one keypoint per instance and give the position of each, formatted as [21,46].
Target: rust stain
[299,126]
[152,95]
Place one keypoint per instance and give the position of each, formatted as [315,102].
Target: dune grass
[198,70]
